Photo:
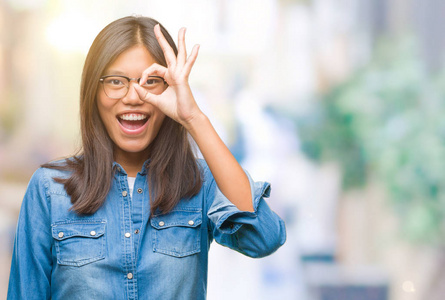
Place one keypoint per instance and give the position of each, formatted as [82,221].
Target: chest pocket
[79,243]
[177,233]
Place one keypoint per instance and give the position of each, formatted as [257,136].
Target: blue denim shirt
[121,253]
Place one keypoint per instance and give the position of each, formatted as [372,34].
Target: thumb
[145,95]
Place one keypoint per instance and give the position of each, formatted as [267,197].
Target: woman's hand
[177,101]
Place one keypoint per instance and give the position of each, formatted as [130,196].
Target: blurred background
[337,103]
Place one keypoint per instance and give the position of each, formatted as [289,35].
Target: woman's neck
[131,162]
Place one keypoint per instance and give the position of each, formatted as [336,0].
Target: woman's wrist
[195,123]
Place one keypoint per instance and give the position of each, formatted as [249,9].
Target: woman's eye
[114,81]
[153,81]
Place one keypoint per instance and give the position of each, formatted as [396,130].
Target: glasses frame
[129,79]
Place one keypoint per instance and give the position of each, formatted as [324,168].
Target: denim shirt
[120,252]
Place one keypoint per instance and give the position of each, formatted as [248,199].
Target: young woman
[133,215]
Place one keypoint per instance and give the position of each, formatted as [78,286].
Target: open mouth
[132,121]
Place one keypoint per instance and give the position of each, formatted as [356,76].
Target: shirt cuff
[227,217]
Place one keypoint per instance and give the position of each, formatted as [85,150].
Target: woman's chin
[132,148]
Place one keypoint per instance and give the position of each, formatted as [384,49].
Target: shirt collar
[145,167]
[118,167]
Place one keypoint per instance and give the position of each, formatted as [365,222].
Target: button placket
[129,254]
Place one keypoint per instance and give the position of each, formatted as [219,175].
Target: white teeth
[133,117]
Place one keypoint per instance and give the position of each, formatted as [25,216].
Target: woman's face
[131,123]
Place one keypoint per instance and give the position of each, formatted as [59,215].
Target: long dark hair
[173,172]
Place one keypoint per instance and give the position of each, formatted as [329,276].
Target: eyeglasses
[116,86]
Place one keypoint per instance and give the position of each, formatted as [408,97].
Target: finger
[153,70]
[146,96]
[169,55]
[182,51]
[191,60]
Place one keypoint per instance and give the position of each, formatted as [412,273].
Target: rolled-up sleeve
[255,234]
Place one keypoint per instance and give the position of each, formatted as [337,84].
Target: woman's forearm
[228,174]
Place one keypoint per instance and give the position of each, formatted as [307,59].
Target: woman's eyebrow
[114,72]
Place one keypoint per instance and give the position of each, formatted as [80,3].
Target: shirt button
[127,234]
[124,193]
[92,232]
[136,231]
[191,222]
[140,191]
[130,275]
[161,223]
[61,234]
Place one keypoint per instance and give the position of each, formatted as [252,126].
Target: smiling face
[131,123]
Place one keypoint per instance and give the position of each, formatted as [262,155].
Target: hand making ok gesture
[177,101]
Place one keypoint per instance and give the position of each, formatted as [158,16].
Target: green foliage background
[388,121]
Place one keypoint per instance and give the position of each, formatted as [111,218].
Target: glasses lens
[154,85]
[115,87]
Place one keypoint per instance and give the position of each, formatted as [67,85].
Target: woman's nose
[132,97]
